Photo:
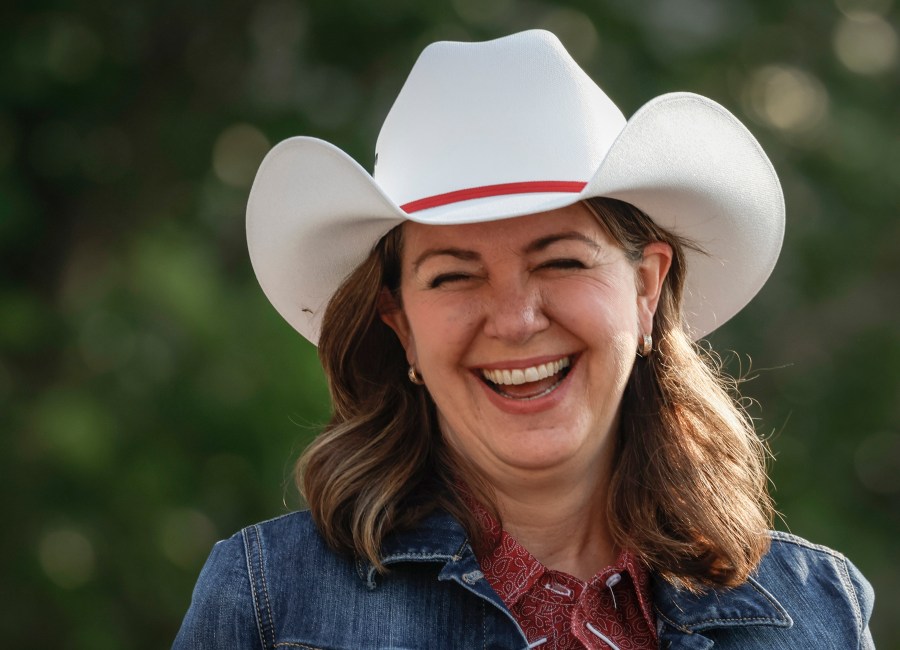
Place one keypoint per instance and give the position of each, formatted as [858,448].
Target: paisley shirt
[561,612]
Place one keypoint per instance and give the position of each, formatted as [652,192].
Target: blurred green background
[151,401]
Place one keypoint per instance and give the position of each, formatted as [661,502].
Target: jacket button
[472,577]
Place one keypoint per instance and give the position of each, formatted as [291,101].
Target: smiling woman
[553,290]
[564,290]
[526,448]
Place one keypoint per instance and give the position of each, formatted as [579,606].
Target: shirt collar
[642,582]
[504,549]
[507,550]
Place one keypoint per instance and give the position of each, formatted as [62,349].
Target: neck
[560,520]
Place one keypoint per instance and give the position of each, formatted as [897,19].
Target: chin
[539,456]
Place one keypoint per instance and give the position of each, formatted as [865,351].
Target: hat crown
[512,110]
[496,130]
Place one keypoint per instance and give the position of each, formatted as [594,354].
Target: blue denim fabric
[277,585]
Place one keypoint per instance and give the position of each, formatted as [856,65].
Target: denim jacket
[277,585]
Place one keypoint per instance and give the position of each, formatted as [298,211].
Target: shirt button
[611,582]
[560,589]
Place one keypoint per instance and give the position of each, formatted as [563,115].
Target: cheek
[442,327]
[594,308]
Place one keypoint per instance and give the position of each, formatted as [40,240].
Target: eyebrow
[459,253]
[536,246]
[544,242]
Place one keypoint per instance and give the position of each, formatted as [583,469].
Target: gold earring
[646,346]
[415,376]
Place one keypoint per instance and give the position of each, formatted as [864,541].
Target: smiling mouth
[528,383]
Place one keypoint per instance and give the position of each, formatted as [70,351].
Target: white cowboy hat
[504,128]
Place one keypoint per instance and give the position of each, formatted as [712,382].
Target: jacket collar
[747,604]
[441,539]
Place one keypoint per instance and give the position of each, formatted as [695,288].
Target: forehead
[514,233]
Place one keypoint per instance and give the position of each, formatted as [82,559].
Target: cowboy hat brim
[314,214]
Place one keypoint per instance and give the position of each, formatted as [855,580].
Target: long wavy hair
[687,493]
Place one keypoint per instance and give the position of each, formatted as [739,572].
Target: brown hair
[687,493]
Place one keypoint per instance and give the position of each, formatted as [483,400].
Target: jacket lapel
[439,538]
[683,617]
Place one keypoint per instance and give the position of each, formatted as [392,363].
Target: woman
[526,449]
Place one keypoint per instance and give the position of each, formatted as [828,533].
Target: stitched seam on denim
[459,552]
[787,538]
[366,576]
[483,625]
[672,623]
[291,644]
[742,619]
[399,557]
[361,569]
[279,517]
[248,551]
[844,572]
[762,592]
[748,619]
[262,575]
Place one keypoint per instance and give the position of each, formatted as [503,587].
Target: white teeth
[525,375]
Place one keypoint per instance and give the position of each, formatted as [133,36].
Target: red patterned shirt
[558,611]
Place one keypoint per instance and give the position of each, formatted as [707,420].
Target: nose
[515,313]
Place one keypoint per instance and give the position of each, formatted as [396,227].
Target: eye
[564,263]
[447,278]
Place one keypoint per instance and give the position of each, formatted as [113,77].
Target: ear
[651,272]
[392,314]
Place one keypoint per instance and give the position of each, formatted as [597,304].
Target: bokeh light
[866,43]
[73,49]
[106,342]
[686,26]
[61,45]
[237,153]
[67,557]
[483,12]
[862,8]
[787,98]
[575,30]
[76,430]
[186,536]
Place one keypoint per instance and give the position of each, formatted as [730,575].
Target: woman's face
[525,331]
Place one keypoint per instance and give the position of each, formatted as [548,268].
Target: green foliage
[151,401]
